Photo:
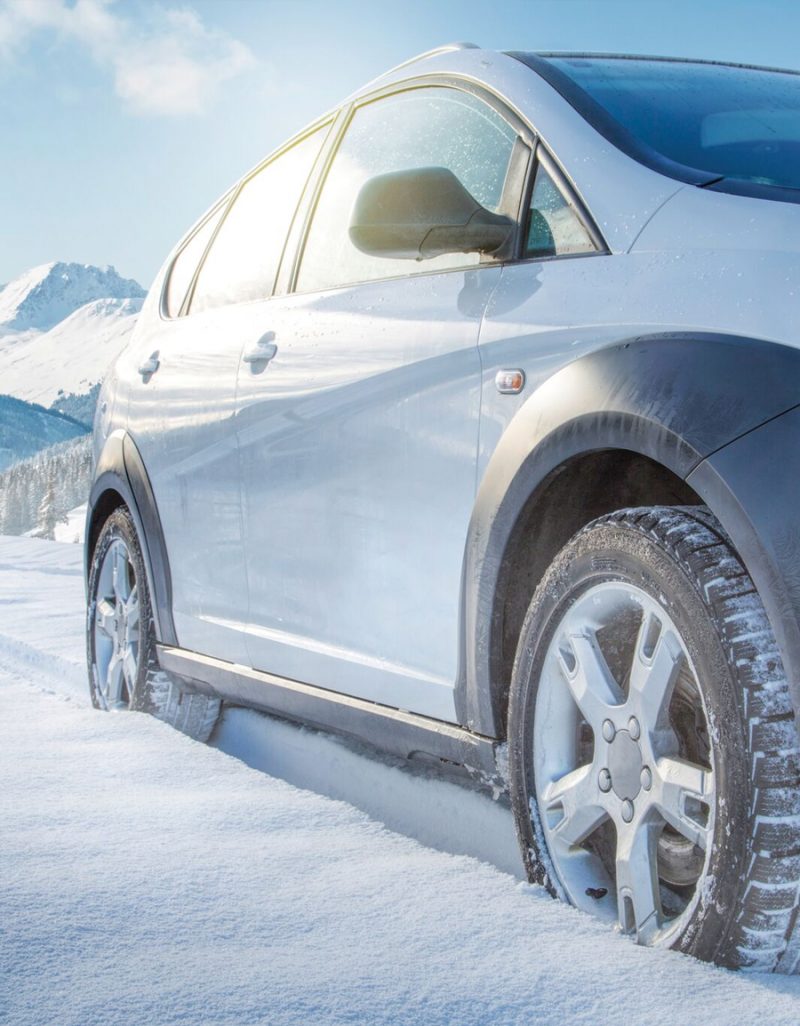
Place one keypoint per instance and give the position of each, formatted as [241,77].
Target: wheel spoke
[638,899]
[657,661]
[114,677]
[104,618]
[132,607]
[129,669]
[576,796]
[684,793]
[589,679]
[122,587]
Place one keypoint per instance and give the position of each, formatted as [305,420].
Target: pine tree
[46,516]
[37,493]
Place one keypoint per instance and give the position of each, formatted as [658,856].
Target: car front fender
[675,398]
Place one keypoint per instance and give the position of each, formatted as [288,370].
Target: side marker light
[510,382]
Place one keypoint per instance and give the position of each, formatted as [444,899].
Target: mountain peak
[42,296]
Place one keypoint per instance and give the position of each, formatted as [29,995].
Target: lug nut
[608,730]
[604,780]
[627,811]
[633,728]
[646,778]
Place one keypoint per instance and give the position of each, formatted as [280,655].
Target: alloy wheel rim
[622,760]
[116,628]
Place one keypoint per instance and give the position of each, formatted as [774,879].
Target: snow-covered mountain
[70,357]
[45,295]
[61,326]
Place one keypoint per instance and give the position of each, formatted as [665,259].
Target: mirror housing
[422,213]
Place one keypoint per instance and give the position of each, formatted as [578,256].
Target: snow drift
[146,878]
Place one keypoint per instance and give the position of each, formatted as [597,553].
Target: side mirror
[423,213]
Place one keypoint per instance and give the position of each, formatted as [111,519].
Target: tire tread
[765,936]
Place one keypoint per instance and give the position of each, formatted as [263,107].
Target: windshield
[731,122]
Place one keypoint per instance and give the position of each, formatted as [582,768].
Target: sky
[121,121]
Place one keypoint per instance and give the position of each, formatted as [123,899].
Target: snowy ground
[146,879]
[73,528]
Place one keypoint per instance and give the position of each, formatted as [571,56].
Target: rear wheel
[121,644]
[653,748]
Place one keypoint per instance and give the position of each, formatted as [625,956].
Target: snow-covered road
[146,879]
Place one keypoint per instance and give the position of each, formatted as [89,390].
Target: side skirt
[399,733]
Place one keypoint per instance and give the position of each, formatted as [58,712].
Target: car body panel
[358,446]
[181,419]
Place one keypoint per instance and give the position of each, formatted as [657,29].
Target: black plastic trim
[120,469]
[741,187]
[753,486]
[400,733]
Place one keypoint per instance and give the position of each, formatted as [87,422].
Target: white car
[469,419]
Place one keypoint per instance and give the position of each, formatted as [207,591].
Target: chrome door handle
[263,351]
[150,366]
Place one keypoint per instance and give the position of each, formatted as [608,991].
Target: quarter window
[554,229]
[244,257]
[425,127]
[185,263]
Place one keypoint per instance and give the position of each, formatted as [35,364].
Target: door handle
[150,365]
[263,351]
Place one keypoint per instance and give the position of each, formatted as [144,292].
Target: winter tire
[653,752]
[123,666]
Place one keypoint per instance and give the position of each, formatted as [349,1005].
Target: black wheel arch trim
[120,469]
[678,398]
[753,487]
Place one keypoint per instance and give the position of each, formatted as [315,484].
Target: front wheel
[121,643]
[653,751]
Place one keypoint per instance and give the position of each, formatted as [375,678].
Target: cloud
[167,63]
[20,19]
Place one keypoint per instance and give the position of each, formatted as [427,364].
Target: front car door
[358,440]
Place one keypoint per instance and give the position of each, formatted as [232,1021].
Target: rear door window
[243,260]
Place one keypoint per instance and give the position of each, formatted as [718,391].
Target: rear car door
[182,415]
[358,439]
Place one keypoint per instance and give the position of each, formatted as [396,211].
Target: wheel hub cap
[625,765]
[604,807]
[116,628]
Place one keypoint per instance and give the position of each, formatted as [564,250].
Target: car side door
[182,412]
[358,437]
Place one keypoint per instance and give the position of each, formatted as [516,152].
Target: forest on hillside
[36,494]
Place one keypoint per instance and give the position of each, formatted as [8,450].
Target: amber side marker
[510,382]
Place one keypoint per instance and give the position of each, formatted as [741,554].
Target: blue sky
[122,120]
